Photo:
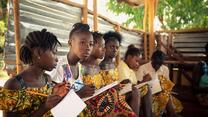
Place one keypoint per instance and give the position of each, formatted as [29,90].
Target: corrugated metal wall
[129,37]
[57,18]
[191,44]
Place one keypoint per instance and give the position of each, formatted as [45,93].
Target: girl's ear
[37,52]
[70,42]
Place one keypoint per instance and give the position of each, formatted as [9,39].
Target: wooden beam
[101,16]
[183,31]
[17,35]
[85,12]
[67,2]
[151,26]
[95,16]
[117,28]
[144,28]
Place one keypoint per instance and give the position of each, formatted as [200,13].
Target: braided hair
[42,39]
[79,28]
[111,35]
[97,36]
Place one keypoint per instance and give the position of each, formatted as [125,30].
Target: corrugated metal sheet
[191,44]
[36,15]
[129,37]
[57,18]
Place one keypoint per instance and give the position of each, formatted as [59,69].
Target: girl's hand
[125,81]
[52,101]
[86,91]
[147,78]
[61,89]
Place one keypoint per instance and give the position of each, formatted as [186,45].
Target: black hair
[42,39]
[206,47]
[79,27]
[132,50]
[111,35]
[96,36]
[158,55]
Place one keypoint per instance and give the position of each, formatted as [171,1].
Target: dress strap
[19,79]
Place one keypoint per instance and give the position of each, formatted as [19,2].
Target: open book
[99,91]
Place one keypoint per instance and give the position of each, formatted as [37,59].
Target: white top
[63,71]
[148,69]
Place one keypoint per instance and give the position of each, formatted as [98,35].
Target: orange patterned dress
[109,103]
[161,99]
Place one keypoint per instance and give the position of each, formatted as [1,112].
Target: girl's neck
[125,61]
[108,60]
[36,72]
[91,60]
[72,58]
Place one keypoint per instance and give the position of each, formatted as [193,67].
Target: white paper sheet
[70,106]
[154,85]
[127,88]
[99,91]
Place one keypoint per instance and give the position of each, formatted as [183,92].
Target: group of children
[92,62]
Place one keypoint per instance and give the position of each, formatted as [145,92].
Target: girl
[39,52]
[109,103]
[109,64]
[127,70]
[69,68]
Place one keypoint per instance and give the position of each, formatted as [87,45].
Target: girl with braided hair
[39,53]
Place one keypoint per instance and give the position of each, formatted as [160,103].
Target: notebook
[71,106]
[99,91]
[154,85]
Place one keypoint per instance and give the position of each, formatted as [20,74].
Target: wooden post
[144,28]
[95,16]
[117,28]
[85,11]
[17,35]
[151,27]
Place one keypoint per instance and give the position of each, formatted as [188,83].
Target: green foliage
[174,14]
[3,22]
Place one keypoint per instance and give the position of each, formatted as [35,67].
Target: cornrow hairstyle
[42,39]
[78,28]
[158,55]
[132,50]
[97,36]
[111,35]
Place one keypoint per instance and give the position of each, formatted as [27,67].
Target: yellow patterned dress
[161,99]
[23,102]
[109,103]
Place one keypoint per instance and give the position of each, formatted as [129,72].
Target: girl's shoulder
[13,83]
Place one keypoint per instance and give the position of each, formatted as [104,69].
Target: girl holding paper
[109,103]
[110,69]
[32,86]
[162,100]
[69,67]
[127,70]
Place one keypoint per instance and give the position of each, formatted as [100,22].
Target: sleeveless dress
[22,102]
[108,103]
